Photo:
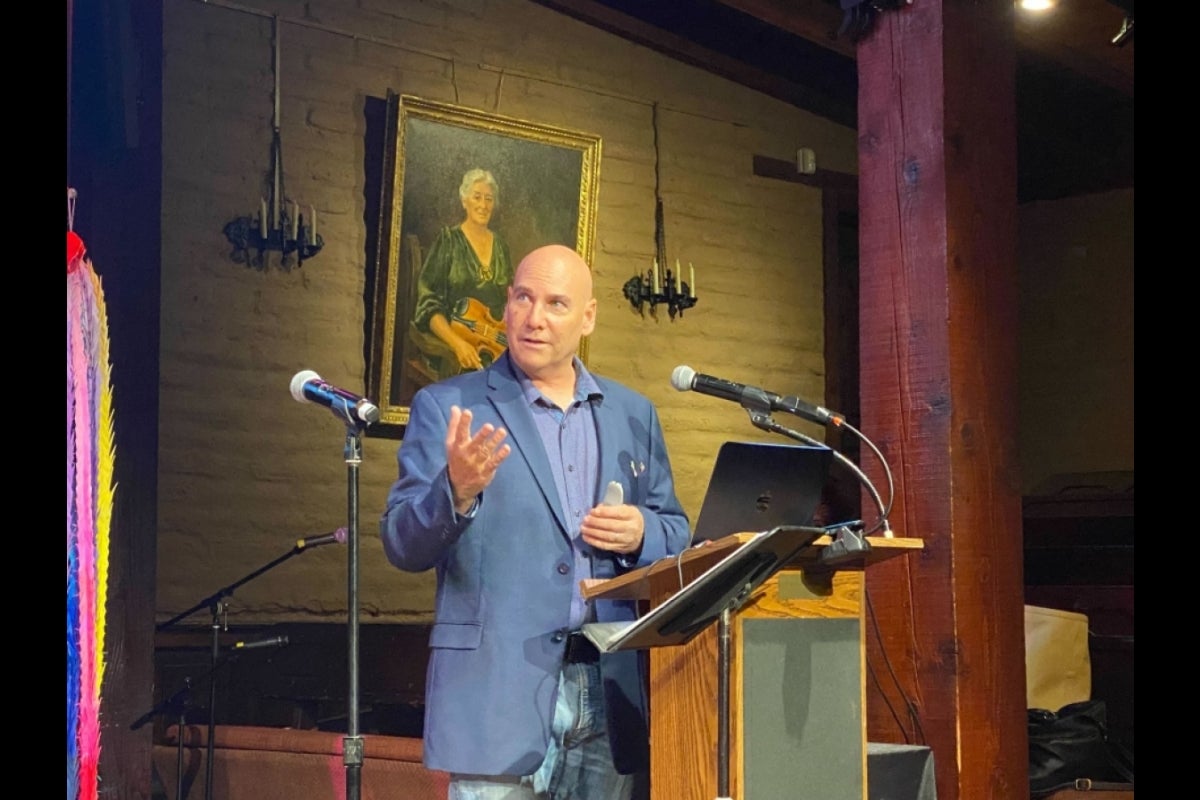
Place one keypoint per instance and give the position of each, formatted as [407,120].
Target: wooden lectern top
[635,585]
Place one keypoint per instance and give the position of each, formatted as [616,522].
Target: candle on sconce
[692,280]
[262,217]
[312,225]
[657,285]
[295,220]
[678,278]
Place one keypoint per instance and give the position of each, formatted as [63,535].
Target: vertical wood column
[938,330]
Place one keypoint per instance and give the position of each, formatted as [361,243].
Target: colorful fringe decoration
[90,495]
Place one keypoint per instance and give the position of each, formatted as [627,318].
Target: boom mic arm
[764,421]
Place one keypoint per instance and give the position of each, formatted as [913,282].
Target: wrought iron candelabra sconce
[289,233]
[285,231]
[652,289]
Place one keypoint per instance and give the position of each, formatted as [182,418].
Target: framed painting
[464,196]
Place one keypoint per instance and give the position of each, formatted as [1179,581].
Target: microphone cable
[766,422]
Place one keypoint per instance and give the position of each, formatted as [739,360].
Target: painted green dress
[451,278]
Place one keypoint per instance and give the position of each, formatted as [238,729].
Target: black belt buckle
[580,650]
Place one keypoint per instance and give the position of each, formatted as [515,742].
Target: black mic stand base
[847,545]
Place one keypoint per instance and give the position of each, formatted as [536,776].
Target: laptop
[757,487]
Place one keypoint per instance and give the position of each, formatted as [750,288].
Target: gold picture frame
[547,180]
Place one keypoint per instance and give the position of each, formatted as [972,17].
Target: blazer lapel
[612,428]
[505,395]
[608,427]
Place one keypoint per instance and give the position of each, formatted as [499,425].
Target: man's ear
[589,317]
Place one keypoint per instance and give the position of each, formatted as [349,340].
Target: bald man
[501,477]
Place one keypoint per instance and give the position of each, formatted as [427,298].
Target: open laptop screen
[757,486]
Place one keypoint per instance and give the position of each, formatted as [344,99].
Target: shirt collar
[586,387]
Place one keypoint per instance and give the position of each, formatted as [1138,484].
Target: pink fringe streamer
[81,341]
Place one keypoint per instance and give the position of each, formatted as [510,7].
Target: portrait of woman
[457,322]
[448,237]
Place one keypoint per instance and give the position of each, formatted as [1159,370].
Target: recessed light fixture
[1036,5]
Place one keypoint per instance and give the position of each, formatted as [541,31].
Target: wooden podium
[788,666]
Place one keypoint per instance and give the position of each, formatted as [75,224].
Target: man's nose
[537,316]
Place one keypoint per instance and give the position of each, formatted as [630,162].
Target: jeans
[578,763]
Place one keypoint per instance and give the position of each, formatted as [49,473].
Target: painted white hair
[474,176]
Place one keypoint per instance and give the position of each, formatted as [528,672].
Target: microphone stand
[176,704]
[356,413]
[216,603]
[849,541]
[724,666]
[179,703]
[352,744]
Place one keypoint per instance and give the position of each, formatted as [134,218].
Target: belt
[580,650]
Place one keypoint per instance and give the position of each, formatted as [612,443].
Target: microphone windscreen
[298,380]
[682,378]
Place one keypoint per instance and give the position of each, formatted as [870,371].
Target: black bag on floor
[1069,745]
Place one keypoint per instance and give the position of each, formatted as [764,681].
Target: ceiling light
[1036,5]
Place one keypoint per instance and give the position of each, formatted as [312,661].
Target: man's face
[550,308]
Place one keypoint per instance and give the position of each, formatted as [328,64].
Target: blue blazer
[504,577]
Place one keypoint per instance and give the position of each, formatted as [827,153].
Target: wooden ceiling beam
[815,20]
[1076,35]
[838,108]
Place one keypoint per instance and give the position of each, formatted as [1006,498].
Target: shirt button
[563,569]
[570,467]
[558,636]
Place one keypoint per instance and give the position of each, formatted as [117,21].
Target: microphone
[337,537]
[277,641]
[307,387]
[752,398]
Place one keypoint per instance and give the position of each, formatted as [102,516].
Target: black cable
[888,703]
[885,509]
[913,713]
[766,422]
[660,233]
